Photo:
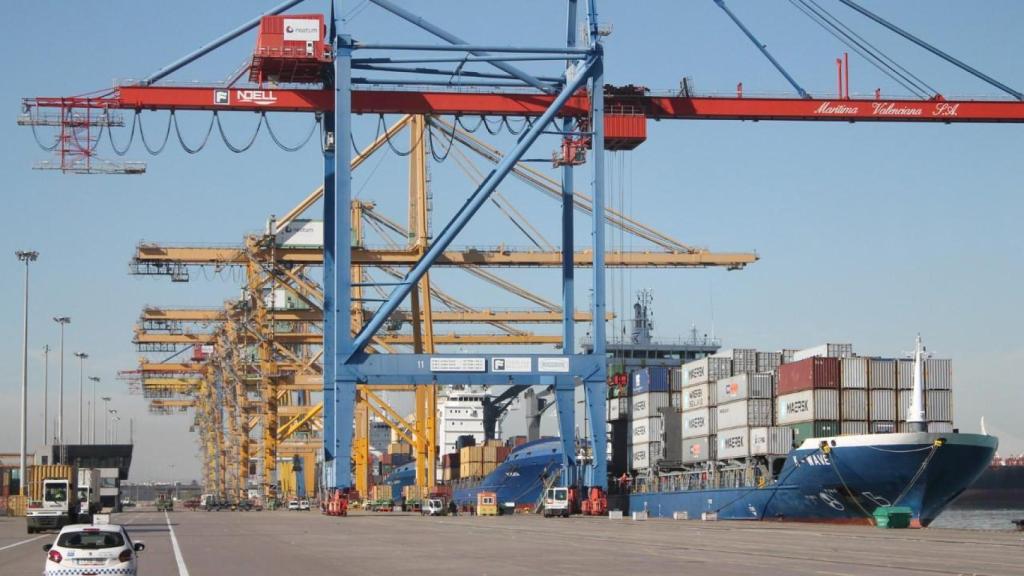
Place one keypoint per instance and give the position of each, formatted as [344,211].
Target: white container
[854,404]
[787,355]
[853,372]
[647,405]
[771,441]
[883,427]
[696,423]
[882,405]
[696,397]
[613,410]
[733,443]
[648,430]
[881,374]
[806,406]
[905,374]
[940,427]
[902,404]
[938,374]
[768,361]
[713,420]
[744,386]
[646,455]
[848,427]
[696,450]
[706,370]
[675,379]
[938,405]
[745,413]
[829,350]
[744,360]
[301,233]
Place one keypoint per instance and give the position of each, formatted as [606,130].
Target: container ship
[816,435]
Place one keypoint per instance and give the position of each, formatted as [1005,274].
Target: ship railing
[730,475]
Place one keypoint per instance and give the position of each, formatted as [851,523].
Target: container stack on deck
[742,403]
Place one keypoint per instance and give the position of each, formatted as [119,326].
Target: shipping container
[675,399]
[853,372]
[613,410]
[824,351]
[854,404]
[768,361]
[646,454]
[812,373]
[650,379]
[712,420]
[647,404]
[696,397]
[806,406]
[903,404]
[696,423]
[816,429]
[733,443]
[882,405]
[883,427]
[744,386]
[675,379]
[904,374]
[939,405]
[771,441]
[290,49]
[881,374]
[787,355]
[940,427]
[745,413]
[848,427]
[938,374]
[696,450]
[706,370]
[744,360]
[647,430]
[39,472]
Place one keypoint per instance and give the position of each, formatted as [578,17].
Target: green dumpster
[893,516]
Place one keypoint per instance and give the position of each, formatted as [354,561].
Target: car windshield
[90,540]
[55,494]
[561,494]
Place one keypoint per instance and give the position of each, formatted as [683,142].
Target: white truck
[556,502]
[56,507]
[88,491]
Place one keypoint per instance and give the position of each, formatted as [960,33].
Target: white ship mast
[915,414]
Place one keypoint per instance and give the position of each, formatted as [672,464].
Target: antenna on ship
[915,414]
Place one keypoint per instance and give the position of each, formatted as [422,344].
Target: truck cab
[556,502]
[434,507]
[54,510]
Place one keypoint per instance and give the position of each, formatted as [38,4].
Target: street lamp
[81,394]
[63,321]
[92,414]
[26,257]
[106,422]
[115,420]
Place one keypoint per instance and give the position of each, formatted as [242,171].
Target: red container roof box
[290,49]
[817,372]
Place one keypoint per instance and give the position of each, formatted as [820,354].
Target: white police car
[86,549]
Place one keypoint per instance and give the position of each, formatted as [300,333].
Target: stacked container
[699,407]
[771,441]
[651,392]
[744,360]
[853,392]
[808,400]
[744,401]
[768,361]
[824,351]
[882,398]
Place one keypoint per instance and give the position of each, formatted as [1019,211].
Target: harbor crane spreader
[576,106]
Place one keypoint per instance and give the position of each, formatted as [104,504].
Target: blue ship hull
[843,485]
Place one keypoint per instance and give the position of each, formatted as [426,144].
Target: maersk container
[696,423]
[848,427]
[675,379]
[743,359]
[812,373]
[853,372]
[768,361]
[771,441]
[881,374]
[733,443]
[854,404]
[746,413]
[882,405]
[744,386]
[696,397]
[647,404]
[646,455]
[706,370]
[696,450]
[904,374]
[883,427]
[816,429]
[940,427]
[807,406]
[938,374]
[647,430]
[824,351]
[650,379]
[938,405]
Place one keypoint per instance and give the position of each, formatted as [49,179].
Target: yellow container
[487,504]
[15,505]
[37,473]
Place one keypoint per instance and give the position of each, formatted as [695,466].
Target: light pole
[46,394]
[115,420]
[63,321]
[106,419]
[92,414]
[26,257]
[81,394]
[110,434]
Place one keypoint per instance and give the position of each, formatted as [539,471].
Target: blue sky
[868,233]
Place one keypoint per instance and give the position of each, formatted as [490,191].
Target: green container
[816,429]
[893,516]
